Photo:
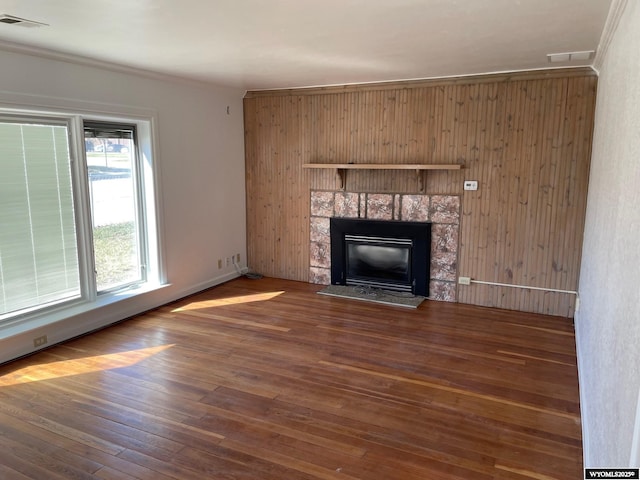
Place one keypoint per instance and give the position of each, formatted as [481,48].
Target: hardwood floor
[264,379]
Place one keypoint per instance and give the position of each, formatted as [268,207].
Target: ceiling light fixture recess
[569,56]
[20,22]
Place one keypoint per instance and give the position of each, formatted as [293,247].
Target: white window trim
[76,112]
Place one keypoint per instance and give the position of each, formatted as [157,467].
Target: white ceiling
[264,44]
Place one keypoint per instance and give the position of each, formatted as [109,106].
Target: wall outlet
[228,261]
[40,341]
[464,280]
[237,258]
[219,263]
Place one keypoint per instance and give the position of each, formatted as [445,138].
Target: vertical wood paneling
[526,140]
[532,212]
[277,188]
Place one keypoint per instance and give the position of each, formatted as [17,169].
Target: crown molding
[546,73]
[45,53]
[616,11]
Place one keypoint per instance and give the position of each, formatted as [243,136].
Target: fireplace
[391,255]
[442,212]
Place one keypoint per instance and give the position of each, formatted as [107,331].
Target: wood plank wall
[525,138]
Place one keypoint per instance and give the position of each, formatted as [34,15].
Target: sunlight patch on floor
[221,302]
[79,366]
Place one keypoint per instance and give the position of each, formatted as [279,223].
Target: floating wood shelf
[420,169]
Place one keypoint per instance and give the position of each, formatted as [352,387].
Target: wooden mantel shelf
[419,168]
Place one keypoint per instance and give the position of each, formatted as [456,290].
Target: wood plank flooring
[264,379]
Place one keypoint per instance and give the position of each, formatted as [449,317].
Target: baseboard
[583,403]
[20,343]
[634,457]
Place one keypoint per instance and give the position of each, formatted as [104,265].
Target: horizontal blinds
[107,130]
[38,247]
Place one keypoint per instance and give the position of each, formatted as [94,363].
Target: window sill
[41,319]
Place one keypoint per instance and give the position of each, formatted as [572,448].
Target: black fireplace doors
[390,255]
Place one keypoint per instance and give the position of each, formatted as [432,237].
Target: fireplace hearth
[391,255]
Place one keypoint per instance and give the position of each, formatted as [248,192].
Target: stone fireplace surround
[443,211]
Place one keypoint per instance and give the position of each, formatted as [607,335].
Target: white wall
[608,323]
[201,160]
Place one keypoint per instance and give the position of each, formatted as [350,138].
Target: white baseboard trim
[634,457]
[583,401]
[20,342]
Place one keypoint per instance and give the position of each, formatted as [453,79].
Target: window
[76,224]
[38,243]
[115,216]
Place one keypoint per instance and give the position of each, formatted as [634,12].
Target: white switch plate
[464,280]
[471,185]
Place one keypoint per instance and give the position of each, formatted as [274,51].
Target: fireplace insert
[390,255]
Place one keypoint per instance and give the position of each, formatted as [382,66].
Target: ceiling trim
[547,73]
[45,53]
[616,11]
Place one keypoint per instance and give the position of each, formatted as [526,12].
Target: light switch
[471,185]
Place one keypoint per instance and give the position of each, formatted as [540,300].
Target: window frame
[147,191]
[137,178]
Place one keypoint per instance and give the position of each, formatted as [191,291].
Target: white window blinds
[38,247]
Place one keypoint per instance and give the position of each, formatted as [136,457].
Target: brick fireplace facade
[443,211]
